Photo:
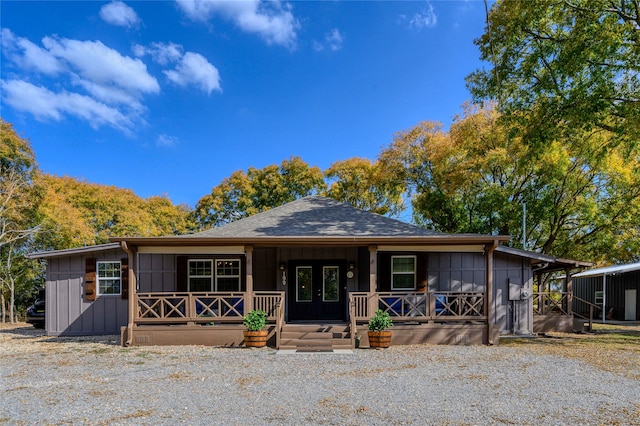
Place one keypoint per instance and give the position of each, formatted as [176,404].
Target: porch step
[315,337]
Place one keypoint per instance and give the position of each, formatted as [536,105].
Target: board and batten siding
[466,272]
[156,272]
[513,316]
[68,312]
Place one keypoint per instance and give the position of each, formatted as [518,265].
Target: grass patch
[611,348]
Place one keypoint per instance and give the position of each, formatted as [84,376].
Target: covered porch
[215,318]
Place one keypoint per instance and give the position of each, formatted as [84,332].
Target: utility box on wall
[514,291]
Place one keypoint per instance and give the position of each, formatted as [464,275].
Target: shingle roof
[75,250]
[315,216]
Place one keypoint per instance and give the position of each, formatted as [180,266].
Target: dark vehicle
[35,312]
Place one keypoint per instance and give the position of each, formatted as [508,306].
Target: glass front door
[317,290]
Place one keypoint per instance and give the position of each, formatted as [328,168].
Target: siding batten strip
[373,278]
[489,292]
[248,303]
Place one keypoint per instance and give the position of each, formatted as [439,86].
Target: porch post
[489,292]
[132,300]
[373,278]
[248,302]
[568,284]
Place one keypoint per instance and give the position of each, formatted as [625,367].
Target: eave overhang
[269,241]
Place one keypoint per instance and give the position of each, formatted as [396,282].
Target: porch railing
[565,303]
[193,308]
[554,303]
[418,307]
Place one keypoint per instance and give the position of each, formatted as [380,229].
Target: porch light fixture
[350,273]
[284,274]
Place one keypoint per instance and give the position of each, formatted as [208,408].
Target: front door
[317,290]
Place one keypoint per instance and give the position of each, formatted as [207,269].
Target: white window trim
[239,276]
[189,276]
[98,278]
[404,273]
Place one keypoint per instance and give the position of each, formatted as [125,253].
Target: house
[318,267]
[616,288]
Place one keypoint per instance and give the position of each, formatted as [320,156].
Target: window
[200,275]
[109,278]
[599,297]
[330,284]
[203,277]
[228,275]
[403,272]
[303,283]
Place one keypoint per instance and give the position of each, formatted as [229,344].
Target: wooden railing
[420,307]
[565,303]
[593,308]
[216,307]
[554,303]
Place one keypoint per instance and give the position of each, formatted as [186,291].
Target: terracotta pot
[255,339]
[379,339]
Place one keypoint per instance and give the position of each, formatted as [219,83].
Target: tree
[77,213]
[245,194]
[366,185]
[566,78]
[563,69]
[476,178]
[18,210]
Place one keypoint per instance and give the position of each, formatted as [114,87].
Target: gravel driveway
[46,380]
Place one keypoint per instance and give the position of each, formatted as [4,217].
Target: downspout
[489,291]
[132,292]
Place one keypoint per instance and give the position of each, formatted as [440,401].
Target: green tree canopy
[245,194]
[366,185]
[476,178]
[19,200]
[563,69]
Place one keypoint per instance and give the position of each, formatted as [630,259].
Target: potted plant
[255,336]
[379,336]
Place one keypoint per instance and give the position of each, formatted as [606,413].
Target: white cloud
[166,140]
[191,69]
[45,104]
[102,65]
[162,53]
[118,13]
[28,55]
[333,40]
[272,20]
[194,69]
[112,85]
[105,86]
[424,19]
[110,94]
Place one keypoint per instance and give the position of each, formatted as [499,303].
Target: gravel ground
[46,380]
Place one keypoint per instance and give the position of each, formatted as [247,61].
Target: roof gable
[315,216]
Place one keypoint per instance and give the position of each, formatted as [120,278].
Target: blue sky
[171,97]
